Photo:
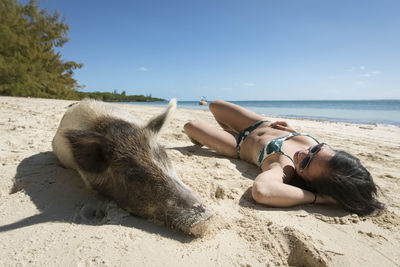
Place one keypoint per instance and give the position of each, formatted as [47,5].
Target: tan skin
[270,186]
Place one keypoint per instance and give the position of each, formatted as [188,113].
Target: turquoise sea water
[351,111]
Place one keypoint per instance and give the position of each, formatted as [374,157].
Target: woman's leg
[219,140]
[233,117]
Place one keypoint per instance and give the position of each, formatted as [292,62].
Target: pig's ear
[156,123]
[92,151]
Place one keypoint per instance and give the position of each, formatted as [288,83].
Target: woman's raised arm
[269,189]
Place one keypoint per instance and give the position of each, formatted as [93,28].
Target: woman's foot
[195,142]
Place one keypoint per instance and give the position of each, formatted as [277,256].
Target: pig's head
[125,162]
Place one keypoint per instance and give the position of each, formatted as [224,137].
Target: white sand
[46,212]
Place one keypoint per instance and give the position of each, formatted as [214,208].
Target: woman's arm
[269,189]
[282,125]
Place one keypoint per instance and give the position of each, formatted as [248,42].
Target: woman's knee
[193,127]
[216,104]
[189,126]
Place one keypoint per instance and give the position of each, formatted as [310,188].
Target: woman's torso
[252,145]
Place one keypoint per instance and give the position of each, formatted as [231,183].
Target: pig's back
[82,116]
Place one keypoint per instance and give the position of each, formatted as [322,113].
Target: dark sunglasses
[306,161]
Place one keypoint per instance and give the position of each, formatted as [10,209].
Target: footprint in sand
[92,212]
[302,251]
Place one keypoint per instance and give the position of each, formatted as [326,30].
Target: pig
[119,157]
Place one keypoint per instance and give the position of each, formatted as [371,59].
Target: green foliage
[115,97]
[29,66]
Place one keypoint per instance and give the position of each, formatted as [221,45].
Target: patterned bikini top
[275,146]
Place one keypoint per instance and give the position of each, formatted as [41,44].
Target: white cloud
[143,69]
[370,74]
[360,83]
[362,68]
[227,89]
[249,84]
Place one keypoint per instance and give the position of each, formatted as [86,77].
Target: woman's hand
[282,125]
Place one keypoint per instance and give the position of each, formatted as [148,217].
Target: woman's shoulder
[280,166]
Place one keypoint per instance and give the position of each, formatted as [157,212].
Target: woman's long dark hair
[350,184]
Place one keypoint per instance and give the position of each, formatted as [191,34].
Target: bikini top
[275,146]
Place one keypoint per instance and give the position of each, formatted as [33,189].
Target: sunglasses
[306,161]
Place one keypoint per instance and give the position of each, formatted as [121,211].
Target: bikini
[245,133]
[272,147]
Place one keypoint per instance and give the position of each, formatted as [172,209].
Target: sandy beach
[47,216]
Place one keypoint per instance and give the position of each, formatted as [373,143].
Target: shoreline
[45,207]
[313,119]
[259,110]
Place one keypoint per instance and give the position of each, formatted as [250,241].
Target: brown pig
[119,157]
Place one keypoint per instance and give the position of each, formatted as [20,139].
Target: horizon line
[375,99]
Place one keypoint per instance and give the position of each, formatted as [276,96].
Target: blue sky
[236,50]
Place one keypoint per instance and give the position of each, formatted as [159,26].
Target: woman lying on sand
[296,167]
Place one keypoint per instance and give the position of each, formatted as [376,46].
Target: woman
[296,167]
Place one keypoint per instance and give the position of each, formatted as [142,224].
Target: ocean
[350,111]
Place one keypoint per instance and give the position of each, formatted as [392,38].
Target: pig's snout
[188,215]
[191,221]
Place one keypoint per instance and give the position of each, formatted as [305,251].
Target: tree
[29,65]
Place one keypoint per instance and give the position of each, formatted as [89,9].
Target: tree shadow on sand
[250,171]
[61,196]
